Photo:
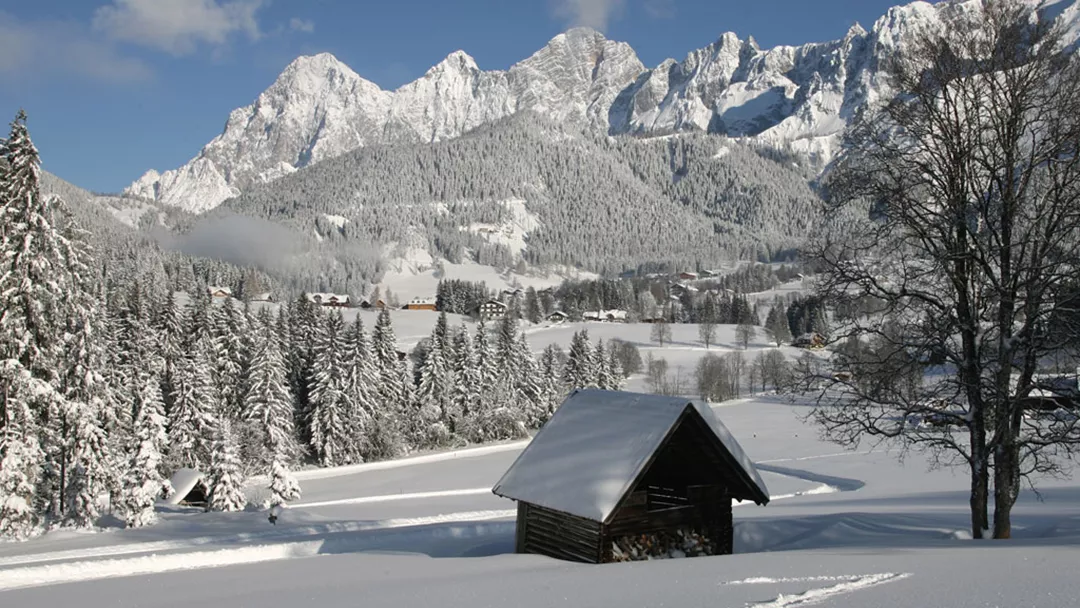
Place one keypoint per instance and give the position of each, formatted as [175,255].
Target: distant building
[262,297]
[219,293]
[330,300]
[688,276]
[421,304]
[557,317]
[812,340]
[492,309]
[609,316]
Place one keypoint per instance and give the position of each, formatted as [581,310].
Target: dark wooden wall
[556,534]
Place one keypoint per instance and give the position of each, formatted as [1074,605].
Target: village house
[420,304]
[262,297]
[608,316]
[557,317]
[651,476]
[219,293]
[688,276]
[329,300]
[812,340]
[492,310]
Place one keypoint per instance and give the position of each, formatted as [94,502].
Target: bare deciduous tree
[957,210]
[707,333]
[661,331]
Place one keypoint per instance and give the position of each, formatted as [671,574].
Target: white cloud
[34,50]
[301,25]
[589,13]
[660,9]
[178,26]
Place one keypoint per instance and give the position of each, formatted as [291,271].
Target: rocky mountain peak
[799,98]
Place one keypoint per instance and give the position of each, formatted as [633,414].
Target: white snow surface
[585,459]
[855,529]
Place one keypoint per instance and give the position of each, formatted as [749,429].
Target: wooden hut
[616,476]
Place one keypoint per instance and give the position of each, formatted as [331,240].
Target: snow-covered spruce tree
[20,450]
[387,439]
[533,408]
[614,365]
[48,326]
[143,481]
[465,388]
[225,480]
[304,320]
[579,371]
[268,406]
[327,393]
[229,326]
[193,415]
[429,422]
[490,384]
[169,326]
[551,386]
[603,377]
[283,486]
[360,389]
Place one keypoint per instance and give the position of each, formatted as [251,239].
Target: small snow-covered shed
[613,468]
[189,489]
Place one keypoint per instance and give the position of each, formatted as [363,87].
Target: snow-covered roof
[597,445]
[215,289]
[605,314]
[183,481]
[326,297]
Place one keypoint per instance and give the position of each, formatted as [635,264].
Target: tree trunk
[979,497]
[1006,487]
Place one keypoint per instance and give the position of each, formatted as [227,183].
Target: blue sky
[116,87]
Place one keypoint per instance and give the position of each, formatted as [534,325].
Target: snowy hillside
[796,98]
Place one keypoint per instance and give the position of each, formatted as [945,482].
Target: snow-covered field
[857,529]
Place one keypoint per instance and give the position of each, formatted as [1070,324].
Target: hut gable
[599,444]
[189,488]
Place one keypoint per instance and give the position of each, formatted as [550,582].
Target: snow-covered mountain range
[799,98]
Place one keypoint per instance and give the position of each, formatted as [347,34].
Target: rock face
[798,97]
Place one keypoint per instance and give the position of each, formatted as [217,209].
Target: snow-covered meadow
[843,529]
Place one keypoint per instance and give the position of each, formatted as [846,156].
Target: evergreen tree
[387,440]
[143,482]
[226,481]
[360,390]
[192,417]
[601,367]
[20,450]
[465,393]
[267,402]
[283,486]
[47,334]
[614,367]
[579,371]
[532,306]
[329,403]
[169,326]
[550,382]
[429,423]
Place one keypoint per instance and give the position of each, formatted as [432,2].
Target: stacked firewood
[661,545]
